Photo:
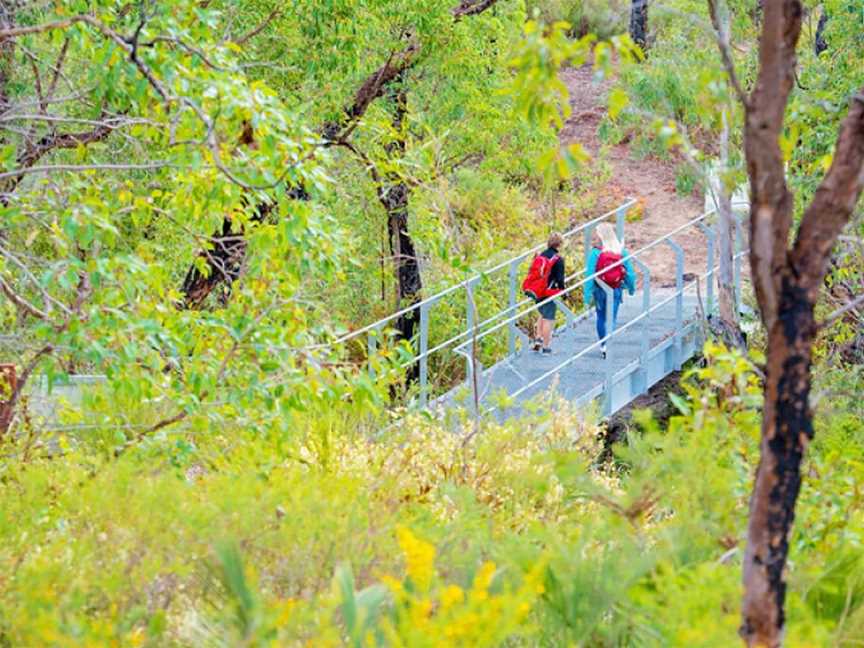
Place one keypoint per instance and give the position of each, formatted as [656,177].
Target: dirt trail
[651,180]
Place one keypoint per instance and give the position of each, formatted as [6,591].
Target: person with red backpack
[545,279]
[617,277]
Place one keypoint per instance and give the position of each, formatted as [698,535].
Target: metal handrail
[596,275]
[617,331]
[377,325]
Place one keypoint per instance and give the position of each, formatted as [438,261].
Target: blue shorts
[547,310]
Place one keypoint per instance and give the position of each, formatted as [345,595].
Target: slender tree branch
[840,312]
[834,202]
[471,8]
[21,303]
[257,30]
[144,166]
[16,32]
[58,69]
[722,38]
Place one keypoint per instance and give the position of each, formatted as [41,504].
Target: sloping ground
[651,180]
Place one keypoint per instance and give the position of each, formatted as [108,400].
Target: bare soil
[650,180]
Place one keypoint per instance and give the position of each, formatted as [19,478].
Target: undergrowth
[431,535]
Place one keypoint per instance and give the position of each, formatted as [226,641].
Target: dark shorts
[547,310]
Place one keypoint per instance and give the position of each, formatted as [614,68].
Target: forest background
[198,197]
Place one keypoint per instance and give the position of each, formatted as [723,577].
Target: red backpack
[536,283]
[613,277]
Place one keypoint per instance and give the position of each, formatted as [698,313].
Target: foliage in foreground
[517,536]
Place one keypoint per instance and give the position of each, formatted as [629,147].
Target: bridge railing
[647,347]
[372,335]
[467,348]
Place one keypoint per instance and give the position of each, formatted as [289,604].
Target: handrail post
[424,348]
[470,308]
[709,276]
[679,299]
[607,363]
[511,329]
[736,269]
[372,348]
[589,234]
[620,216]
[645,342]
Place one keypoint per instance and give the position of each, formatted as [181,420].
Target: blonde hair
[555,240]
[609,238]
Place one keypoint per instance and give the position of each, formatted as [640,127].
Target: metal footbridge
[471,347]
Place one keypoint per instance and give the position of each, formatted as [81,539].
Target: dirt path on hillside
[650,180]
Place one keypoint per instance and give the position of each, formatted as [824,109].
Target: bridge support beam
[709,275]
[640,380]
[679,300]
[512,332]
[472,317]
[424,349]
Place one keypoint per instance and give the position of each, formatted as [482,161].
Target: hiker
[610,252]
[545,279]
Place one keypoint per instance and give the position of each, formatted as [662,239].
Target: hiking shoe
[536,344]
[603,351]
[547,351]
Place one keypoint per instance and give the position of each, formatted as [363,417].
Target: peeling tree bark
[787,283]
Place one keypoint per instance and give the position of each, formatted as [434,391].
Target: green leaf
[679,403]
[618,100]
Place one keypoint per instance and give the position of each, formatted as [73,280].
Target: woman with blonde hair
[607,260]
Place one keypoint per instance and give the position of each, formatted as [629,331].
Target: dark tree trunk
[787,283]
[224,261]
[394,193]
[230,254]
[820,44]
[639,23]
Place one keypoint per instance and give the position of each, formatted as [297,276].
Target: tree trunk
[8,385]
[394,195]
[787,283]
[225,261]
[729,325]
[7,56]
[819,43]
[639,23]
[787,428]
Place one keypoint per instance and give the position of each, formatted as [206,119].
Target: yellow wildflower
[285,608]
[451,595]
[484,576]
[420,612]
[419,558]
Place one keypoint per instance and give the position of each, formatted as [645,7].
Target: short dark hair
[555,240]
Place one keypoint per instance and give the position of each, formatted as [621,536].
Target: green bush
[686,179]
[317,536]
[603,18]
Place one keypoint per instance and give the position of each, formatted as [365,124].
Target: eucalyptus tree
[787,281]
[123,147]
